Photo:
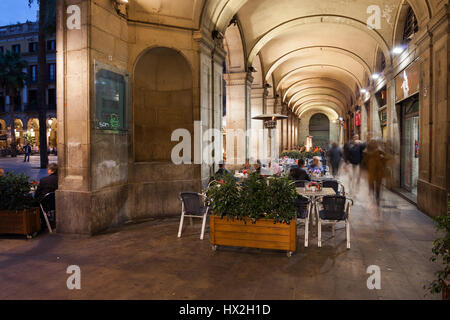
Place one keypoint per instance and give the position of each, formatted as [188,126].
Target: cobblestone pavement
[148,261]
[32,168]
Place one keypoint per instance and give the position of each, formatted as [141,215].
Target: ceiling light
[375,76]
[398,50]
[363,90]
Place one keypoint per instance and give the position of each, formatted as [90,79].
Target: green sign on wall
[110,98]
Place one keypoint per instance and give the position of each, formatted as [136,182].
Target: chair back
[48,202]
[334,208]
[331,184]
[301,203]
[192,202]
[300,183]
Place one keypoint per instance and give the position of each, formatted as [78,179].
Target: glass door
[410,148]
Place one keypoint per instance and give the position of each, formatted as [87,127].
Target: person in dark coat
[334,155]
[299,173]
[27,150]
[48,184]
[355,157]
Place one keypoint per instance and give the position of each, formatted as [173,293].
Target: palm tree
[12,80]
[47,26]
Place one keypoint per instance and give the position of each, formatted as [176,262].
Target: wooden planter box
[26,222]
[446,290]
[263,234]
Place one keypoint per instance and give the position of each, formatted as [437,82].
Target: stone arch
[421,17]
[162,102]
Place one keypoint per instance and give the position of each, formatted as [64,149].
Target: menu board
[110,99]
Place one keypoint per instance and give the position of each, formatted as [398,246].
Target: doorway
[410,146]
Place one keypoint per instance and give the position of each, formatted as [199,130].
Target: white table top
[323,192]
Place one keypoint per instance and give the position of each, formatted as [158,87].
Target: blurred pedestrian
[334,155]
[355,153]
[375,161]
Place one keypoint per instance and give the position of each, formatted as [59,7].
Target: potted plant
[441,253]
[19,213]
[258,214]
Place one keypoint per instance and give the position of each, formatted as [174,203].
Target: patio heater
[270,123]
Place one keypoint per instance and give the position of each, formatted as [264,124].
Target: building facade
[130,74]
[23,39]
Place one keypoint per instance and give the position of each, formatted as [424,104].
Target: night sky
[13,11]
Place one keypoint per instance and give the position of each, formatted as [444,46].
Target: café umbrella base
[25,222]
[262,234]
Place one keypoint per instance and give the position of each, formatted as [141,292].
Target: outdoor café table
[313,196]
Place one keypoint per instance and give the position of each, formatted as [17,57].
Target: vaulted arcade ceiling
[312,52]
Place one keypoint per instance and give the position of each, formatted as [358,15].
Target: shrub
[257,198]
[441,251]
[15,192]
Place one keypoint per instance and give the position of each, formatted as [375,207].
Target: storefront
[407,98]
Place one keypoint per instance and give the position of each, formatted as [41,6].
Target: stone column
[238,117]
[93,166]
[434,169]
[257,139]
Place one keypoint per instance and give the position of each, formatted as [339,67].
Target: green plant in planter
[15,192]
[281,200]
[224,197]
[254,197]
[441,251]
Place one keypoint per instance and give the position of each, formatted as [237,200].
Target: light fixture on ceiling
[398,50]
[121,1]
[363,91]
[376,76]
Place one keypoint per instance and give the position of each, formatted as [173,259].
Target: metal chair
[335,209]
[303,206]
[48,207]
[337,186]
[191,207]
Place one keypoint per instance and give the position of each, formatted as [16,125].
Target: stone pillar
[93,165]
[434,169]
[238,117]
[257,138]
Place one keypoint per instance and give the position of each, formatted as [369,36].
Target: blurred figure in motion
[334,155]
[375,161]
[354,155]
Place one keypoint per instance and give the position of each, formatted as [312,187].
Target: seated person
[48,184]
[221,172]
[246,167]
[257,166]
[299,173]
[316,167]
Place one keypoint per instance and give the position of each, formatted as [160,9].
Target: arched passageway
[356,62]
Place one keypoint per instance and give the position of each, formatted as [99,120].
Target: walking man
[355,157]
[27,149]
[334,155]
